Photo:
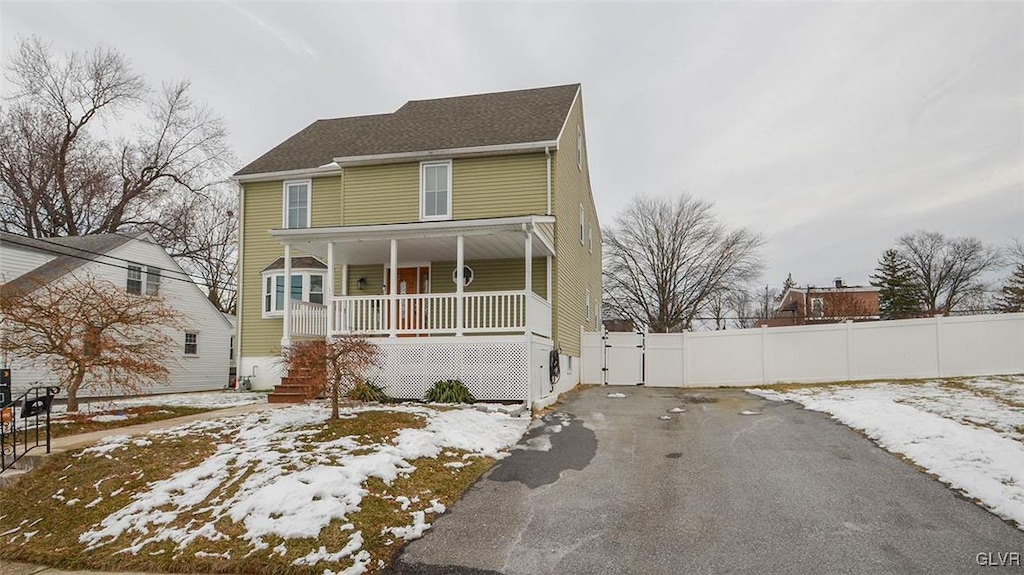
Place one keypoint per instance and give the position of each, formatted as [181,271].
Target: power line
[106,263]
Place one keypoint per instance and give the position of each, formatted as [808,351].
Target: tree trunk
[334,399]
[76,382]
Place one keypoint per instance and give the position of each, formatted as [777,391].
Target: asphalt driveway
[604,486]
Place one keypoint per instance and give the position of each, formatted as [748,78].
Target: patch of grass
[370,426]
[75,423]
[983,392]
[42,497]
[120,474]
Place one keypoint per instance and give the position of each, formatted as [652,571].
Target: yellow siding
[263,212]
[374,275]
[491,275]
[499,186]
[576,268]
[386,194]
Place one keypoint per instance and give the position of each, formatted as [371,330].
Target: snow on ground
[270,476]
[201,400]
[968,433]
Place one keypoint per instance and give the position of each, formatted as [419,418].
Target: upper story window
[579,147]
[587,295]
[590,238]
[583,224]
[191,343]
[297,204]
[436,190]
[152,280]
[134,284]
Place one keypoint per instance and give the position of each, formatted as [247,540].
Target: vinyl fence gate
[623,358]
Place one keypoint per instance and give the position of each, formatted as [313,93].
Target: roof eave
[328,170]
[517,148]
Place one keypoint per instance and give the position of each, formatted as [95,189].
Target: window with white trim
[191,343]
[134,284]
[579,147]
[436,190]
[467,276]
[583,224]
[306,285]
[297,204]
[817,307]
[590,238]
[152,280]
[588,302]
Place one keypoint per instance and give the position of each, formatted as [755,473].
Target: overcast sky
[831,128]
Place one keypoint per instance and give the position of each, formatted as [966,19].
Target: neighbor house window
[579,147]
[152,280]
[231,348]
[191,343]
[817,307]
[304,286]
[297,204]
[134,279]
[436,190]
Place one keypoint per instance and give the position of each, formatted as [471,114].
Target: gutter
[522,147]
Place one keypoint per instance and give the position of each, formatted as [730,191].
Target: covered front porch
[413,299]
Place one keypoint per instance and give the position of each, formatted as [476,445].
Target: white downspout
[547,153]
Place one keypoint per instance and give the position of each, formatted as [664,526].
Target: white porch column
[344,279]
[329,288]
[286,338]
[529,262]
[460,303]
[529,278]
[550,298]
[393,295]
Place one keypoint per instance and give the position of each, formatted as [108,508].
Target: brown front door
[410,281]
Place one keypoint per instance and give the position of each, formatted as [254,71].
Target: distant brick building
[811,305]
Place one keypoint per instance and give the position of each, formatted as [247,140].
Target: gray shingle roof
[520,116]
[71,252]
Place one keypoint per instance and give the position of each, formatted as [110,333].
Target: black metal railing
[25,424]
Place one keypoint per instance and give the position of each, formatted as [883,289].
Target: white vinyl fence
[912,348]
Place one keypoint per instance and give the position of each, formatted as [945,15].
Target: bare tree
[666,257]
[947,270]
[333,366]
[90,333]
[62,175]
[745,308]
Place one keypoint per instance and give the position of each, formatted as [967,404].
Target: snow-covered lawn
[281,486]
[967,432]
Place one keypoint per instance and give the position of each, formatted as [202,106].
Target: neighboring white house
[136,263]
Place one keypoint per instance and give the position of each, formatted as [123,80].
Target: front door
[411,281]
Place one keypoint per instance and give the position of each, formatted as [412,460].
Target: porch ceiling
[424,241]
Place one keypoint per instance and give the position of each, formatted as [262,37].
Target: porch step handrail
[25,424]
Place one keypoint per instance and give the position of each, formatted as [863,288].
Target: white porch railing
[430,314]
[308,319]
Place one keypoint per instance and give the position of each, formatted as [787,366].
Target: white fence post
[764,354]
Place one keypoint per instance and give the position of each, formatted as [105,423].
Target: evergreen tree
[899,294]
[1011,295]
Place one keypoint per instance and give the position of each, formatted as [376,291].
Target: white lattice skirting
[494,368]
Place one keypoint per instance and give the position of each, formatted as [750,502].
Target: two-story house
[136,263]
[458,234]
